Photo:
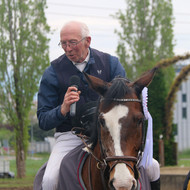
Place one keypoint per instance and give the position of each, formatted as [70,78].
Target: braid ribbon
[148,150]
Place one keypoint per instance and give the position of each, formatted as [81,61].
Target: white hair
[84,28]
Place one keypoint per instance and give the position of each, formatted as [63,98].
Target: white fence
[42,146]
[4,166]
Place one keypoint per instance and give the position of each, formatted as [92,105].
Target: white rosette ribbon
[147,156]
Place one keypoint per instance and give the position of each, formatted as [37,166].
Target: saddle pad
[71,168]
[70,171]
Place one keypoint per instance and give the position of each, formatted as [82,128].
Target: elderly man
[56,95]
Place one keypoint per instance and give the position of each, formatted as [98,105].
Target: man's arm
[49,110]
[116,68]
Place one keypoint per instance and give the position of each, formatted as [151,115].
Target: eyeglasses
[71,44]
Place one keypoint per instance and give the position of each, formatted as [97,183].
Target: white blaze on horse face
[112,122]
[122,176]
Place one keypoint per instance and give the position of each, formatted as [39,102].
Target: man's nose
[68,47]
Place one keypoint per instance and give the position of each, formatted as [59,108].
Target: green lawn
[184,159]
[32,166]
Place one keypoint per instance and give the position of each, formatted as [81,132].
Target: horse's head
[120,127]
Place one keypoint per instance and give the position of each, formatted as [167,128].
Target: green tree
[1,116]
[39,134]
[171,96]
[6,134]
[23,58]
[169,128]
[146,36]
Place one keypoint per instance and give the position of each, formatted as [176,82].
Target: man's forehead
[70,34]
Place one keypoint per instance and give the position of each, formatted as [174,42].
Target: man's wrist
[63,110]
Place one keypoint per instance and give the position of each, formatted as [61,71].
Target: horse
[117,137]
[114,148]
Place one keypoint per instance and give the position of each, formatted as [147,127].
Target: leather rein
[103,163]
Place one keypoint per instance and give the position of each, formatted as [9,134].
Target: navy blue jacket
[55,81]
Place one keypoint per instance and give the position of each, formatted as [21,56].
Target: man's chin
[71,58]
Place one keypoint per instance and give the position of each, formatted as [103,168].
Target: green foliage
[146,36]
[39,134]
[1,117]
[169,152]
[156,101]
[182,76]
[23,58]
[158,91]
[6,134]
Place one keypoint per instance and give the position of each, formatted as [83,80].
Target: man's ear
[88,41]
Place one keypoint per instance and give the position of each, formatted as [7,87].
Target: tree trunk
[20,155]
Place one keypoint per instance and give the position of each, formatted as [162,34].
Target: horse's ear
[96,84]
[144,80]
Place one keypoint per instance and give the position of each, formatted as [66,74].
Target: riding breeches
[64,143]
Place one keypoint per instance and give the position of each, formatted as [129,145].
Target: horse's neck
[97,151]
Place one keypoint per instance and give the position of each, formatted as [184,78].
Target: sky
[97,16]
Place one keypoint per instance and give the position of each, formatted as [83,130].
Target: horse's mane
[117,90]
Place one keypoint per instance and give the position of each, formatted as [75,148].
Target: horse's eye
[101,121]
[140,121]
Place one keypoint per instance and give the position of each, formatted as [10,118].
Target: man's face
[75,47]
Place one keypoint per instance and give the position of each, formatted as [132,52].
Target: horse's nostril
[111,184]
[134,185]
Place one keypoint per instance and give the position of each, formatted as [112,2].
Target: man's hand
[71,96]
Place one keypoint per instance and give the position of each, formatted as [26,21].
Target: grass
[184,158]
[8,183]
[32,166]
[184,155]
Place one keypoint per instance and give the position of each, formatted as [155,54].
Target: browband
[123,100]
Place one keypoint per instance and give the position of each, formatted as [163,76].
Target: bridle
[119,159]
[103,163]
